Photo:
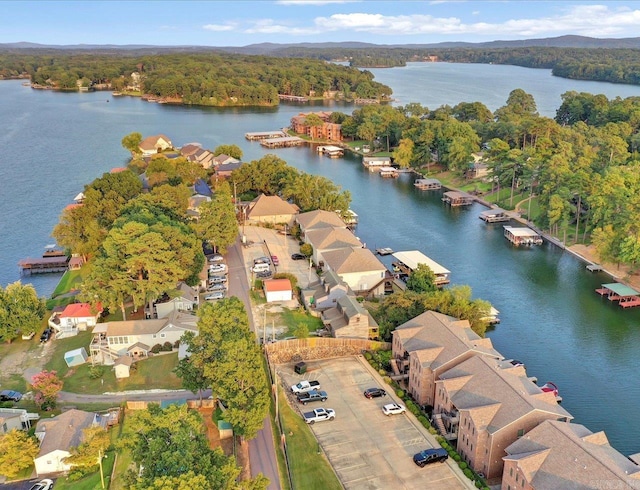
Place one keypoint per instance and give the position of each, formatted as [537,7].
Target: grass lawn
[308,469]
[292,318]
[70,280]
[92,481]
[123,461]
[16,348]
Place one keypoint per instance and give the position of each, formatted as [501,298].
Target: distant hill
[274,48]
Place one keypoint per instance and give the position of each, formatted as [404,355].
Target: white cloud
[269,26]
[219,27]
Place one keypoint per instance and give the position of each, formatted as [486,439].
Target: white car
[216,258]
[215,295]
[217,287]
[393,409]
[217,268]
[45,484]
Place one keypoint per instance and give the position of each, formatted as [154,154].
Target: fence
[315,348]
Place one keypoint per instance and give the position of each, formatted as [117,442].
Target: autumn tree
[46,385]
[20,310]
[17,452]
[226,351]
[88,454]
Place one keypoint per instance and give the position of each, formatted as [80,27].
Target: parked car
[46,335]
[393,409]
[274,260]
[312,396]
[264,274]
[217,268]
[261,260]
[216,258]
[217,279]
[10,396]
[217,287]
[429,456]
[298,257]
[318,415]
[261,267]
[45,484]
[215,295]
[374,392]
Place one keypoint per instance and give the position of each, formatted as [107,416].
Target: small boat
[384,251]
[550,387]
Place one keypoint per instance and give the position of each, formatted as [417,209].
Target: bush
[468,473]
[176,344]
[478,484]
[367,356]
[446,446]
[381,372]
[96,372]
[167,346]
[423,420]
[463,465]
[387,379]
[156,348]
[400,394]
[432,430]
[457,458]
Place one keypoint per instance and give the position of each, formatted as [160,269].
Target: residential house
[326,131]
[15,418]
[197,200]
[201,188]
[489,407]
[430,344]
[190,149]
[319,218]
[477,170]
[202,157]
[224,171]
[224,160]
[348,319]
[58,435]
[327,239]
[330,290]
[270,209]
[559,455]
[75,317]
[186,299]
[359,268]
[277,290]
[155,144]
[136,337]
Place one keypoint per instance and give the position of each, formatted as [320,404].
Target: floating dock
[264,135]
[522,236]
[388,172]
[285,142]
[331,151]
[384,251]
[626,296]
[594,267]
[456,198]
[409,260]
[495,215]
[293,98]
[42,265]
[428,184]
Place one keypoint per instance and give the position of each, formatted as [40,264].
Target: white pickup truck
[304,386]
[318,415]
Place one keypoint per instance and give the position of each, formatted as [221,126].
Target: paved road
[150,395]
[262,451]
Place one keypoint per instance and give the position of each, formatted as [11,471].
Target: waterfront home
[154,144]
[326,131]
[326,239]
[135,338]
[15,419]
[408,261]
[477,170]
[75,317]
[224,160]
[328,292]
[203,157]
[485,408]
[224,171]
[276,290]
[190,149]
[319,218]
[58,435]
[270,209]
[430,344]
[359,268]
[560,455]
[348,319]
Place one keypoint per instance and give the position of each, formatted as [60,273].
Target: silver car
[215,295]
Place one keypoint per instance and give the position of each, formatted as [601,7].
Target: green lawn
[70,280]
[308,468]
[292,318]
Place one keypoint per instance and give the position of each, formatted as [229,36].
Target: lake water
[552,320]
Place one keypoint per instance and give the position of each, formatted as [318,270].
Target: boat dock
[350,218]
[594,267]
[495,215]
[293,98]
[42,265]
[407,261]
[285,142]
[331,151]
[428,184]
[374,163]
[388,172]
[522,236]
[456,198]
[384,251]
[263,135]
[626,296]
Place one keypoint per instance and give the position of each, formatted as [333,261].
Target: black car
[46,335]
[10,396]
[374,392]
[429,456]
[298,257]
[264,274]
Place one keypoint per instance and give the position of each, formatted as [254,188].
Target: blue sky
[238,23]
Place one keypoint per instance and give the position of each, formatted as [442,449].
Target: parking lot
[367,449]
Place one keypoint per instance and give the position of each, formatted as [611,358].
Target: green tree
[218,224]
[132,142]
[306,249]
[17,452]
[227,352]
[20,310]
[403,155]
[422,279]
[192,377]
[231,150]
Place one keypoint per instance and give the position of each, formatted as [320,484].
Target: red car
[274,260]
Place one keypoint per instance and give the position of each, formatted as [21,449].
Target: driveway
[366,448]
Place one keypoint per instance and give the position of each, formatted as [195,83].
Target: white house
[327,294]
[277,290]
[74,318]
[155,144]
[15,418]
[135,338]
[58,435]
[186,300]
[359,268]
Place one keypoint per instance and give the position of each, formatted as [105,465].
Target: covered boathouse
[625,295]
[494,215]
[456,198]
[427,184]
[407,261]
[522,235]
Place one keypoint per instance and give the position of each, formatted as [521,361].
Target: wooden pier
[428,184]
[285,142]
[626,296]
[42,265]
[456,199]
[522,236]
[263,135]
[495,215]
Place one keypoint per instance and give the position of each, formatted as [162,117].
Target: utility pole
[100,463]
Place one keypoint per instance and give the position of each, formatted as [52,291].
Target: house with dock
[74,318]
[327,239]
[359,268]
[409,260]
[456,198]
[388,172]
[521,235]
[312,220]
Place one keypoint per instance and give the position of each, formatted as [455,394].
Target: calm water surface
[552,319]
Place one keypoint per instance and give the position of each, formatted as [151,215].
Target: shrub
[478,484]
[468,473]
[95,372]
[463,465]
[452,453]
[445,446]
[381,372]
[457,458]
[423,420]
[156,348]
[176,344]
[432,430]
[387,379]
[367,356]
[167,346]
[400,394]
[258,284]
